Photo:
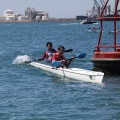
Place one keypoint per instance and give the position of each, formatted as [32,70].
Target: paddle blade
[82,55]
[55,63]
[69,50]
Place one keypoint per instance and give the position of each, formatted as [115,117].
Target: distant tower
[109,9]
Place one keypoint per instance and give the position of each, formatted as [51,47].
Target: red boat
[107,61]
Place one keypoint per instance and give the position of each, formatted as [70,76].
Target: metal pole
[101,15]
[116,6]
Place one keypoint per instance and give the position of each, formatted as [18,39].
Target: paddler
[48,53]
[93,28]
[59,56]
[118,30]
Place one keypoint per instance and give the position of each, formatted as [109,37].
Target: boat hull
[112,32]
[72,73]
[93,31]
[108,66]
[107,62]
[88,22]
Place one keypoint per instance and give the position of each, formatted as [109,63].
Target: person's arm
[39,59]
[69,62]
[42,58]
[65,62]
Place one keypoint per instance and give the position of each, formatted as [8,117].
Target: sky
[55,8]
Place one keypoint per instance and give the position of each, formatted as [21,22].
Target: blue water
[28,93]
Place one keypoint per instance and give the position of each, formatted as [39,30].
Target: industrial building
[34,14]
[30,14]
[9,15]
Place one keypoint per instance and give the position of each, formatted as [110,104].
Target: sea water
[28,93]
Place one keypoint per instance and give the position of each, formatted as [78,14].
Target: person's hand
[63,61]
[72,58]
[37,59]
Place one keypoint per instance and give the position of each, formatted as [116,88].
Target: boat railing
[117,47]
[108,18]
[107,46]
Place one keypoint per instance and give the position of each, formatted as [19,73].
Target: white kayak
[94,31]
[72,73]
[112,32]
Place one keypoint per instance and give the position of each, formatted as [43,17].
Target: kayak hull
[112,32]
[93,31]
[72,73]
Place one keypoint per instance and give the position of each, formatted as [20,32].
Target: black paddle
[69,50]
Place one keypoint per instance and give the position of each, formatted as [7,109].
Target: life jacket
[49,54]
[57,58]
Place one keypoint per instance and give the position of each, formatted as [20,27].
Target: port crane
[100,6]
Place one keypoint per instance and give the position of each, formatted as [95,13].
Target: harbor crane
[100,6]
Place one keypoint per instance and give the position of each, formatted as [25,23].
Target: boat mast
[108,18]
[101,24]
[115,13]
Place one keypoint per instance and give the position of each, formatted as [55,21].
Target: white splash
[21,59]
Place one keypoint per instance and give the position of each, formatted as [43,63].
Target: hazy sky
[55,8]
